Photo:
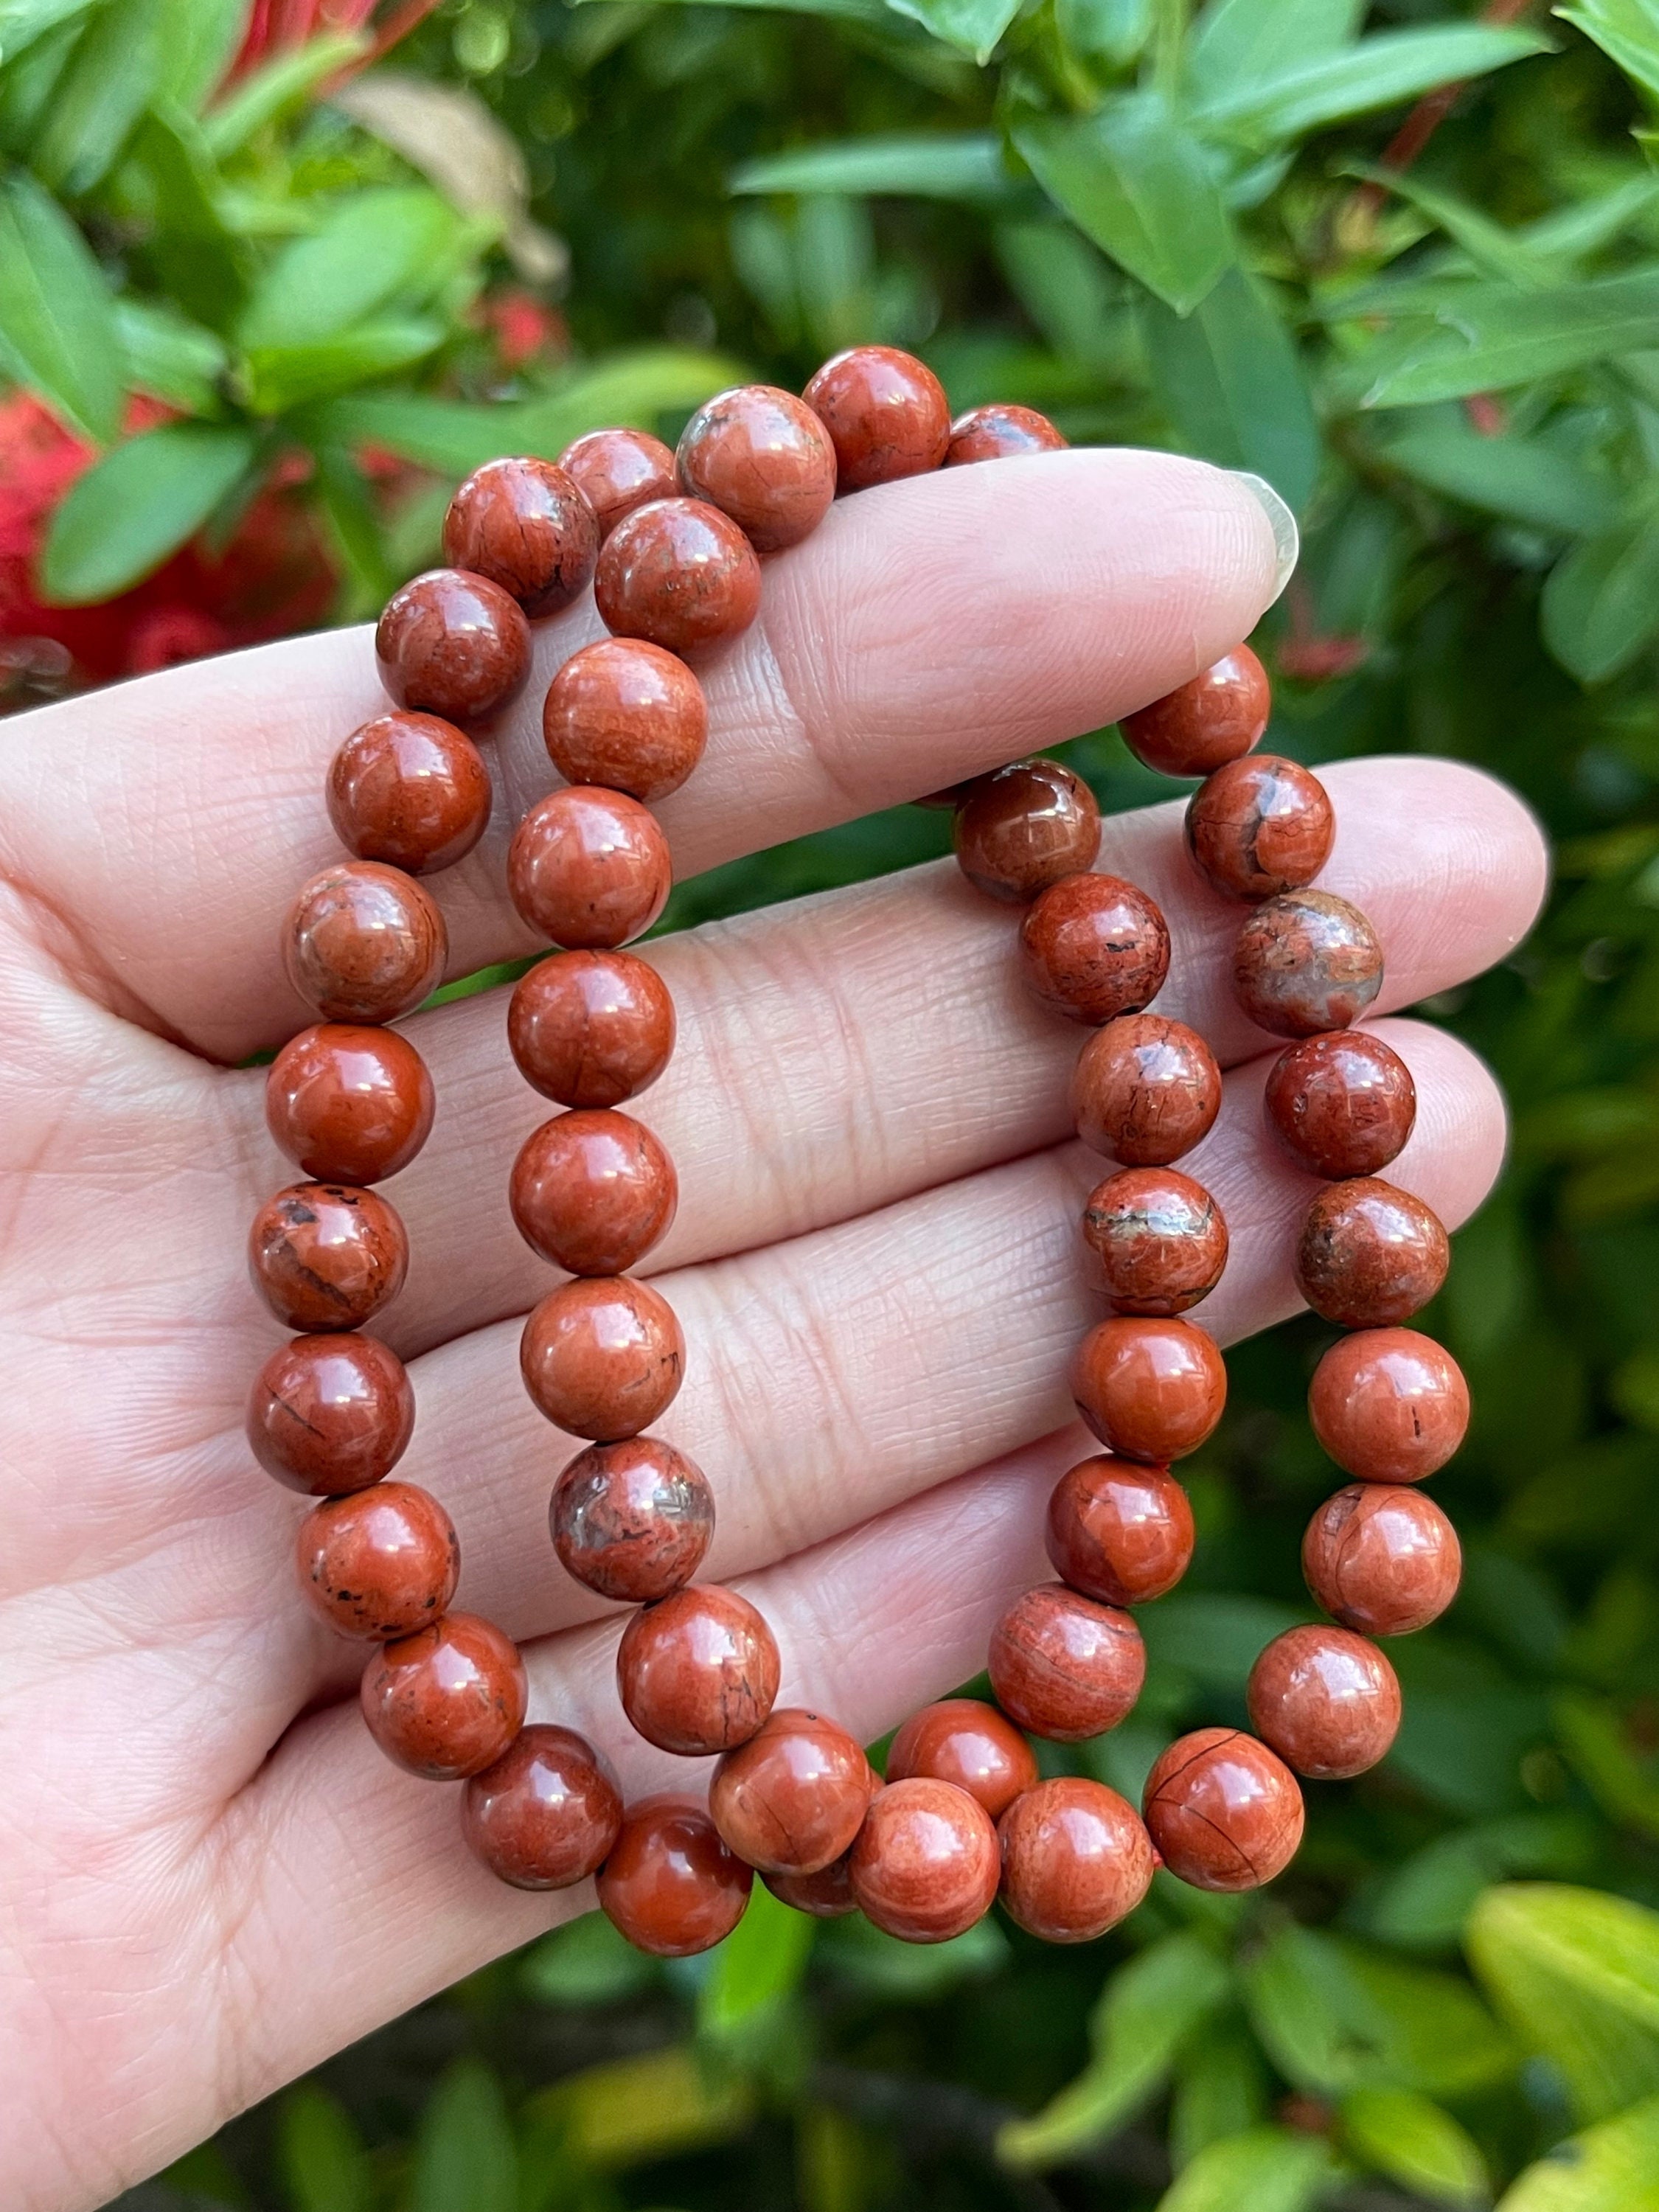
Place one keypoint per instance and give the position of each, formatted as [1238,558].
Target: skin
[209,1878]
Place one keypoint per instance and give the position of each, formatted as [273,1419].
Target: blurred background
[274,275]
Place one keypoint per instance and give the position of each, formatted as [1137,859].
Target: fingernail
[1286,538]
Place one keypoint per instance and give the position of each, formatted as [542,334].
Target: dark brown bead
[1342,1103]
[592,1192]
[1022,828]
[1224,1811]
[792,1799]
[1145,1090]
[1064,1666]
[1389,1405]
[547,1813]
[763,457]
[926,1864]
[1094,947]
[525,524]
[1260,825]
[1304,962]
[1118,1532]
[995,433]
[590,1029]
[669,1884]
[886,414]
[1381,1559]
[826,1895]
[1326,1701]
[626,715]
[1160,1239]
[679,573]
[325,1255]
[448,1701]
[603,1358]
[364,943]
[616,471]
[1216,717]
[1076,1859]
[1150,1389]
[1370,1254]
[698,1671]
[410,790]
[959,1739]
[331,1414]
[589,868]
[632,1519]
[453,644]
[381,1563]
[347,1104]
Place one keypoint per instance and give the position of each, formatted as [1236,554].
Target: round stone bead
[1381,1559]
[347,1104]
[1063,1667]
[826,1895]
[524,524]
[364,943]
[1370,1254]
[1224,1811]
[324,1256]
[973,1745]
[1202,724]
[886,414]
[590,1029]
[1326,1701]
[331,1414]
[592,1192]
[1341,1104]
[632,1519]
[603,1357]
[1306,961]
[1076,1859]
[1258,826]
[670,1885]
[1145,1090]
[380,1563]
[547,1813]
[1150,1389]
[1118,1532]
[453,644]
[626,715]
[616,471]
[995,433]
[1389,1405]
[1159,1237]
[448,1701]
[589,868]
[1022,828]
[763,457]
[1093,947]
[680,574]
[409,790]
[926,1864]
[697,1672]
[792,1799]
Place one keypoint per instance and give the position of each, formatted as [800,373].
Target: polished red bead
[997,431]
[959,1739]
[1223,1810]
[448,1701]
[381,1563]
[1370,1254]
[1022,828]
[1076,1860]
[592,1192]
[1063,1667]
[525,524]
[1216,717]
[349,1103]
[1389,1405]
[1304,962]
[825,1895]
[1093,947]
[547,1813]
[886,414]
[1159,1237]
[1341,1104]
[670,1885]
[697,1672]
[364,943]
[326,1255]
[1119,1531]
[792,1799]
[1381,1559]
[632,1519]
[1145,1090]
[453,644]
[410,790]
[926,1864]
[589,868]
[603,1357]
[626,715]
[1150,1389]
[331,1414]
[616,471]
[763,457]
[590,1029]
[1327,1700]
[1260,825]
[680,574]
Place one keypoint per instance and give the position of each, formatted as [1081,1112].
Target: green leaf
[1239,43]
[1611,2168]
[1214,1638]
[1527,480]
[1231,379]
[358,536]
[1424,1901]
[1409,2139]
[1627,32]
[966,166]
[1220,2089]
[973,25]
[169,357]
[1112,30]
[586,1963]
[196,258]
[101,96]
[1263,2170]
[22,22]
[322,2157]
[759,1966]
[1599,607]
[200,39]
[856,1951]
[1485,337]
[55,311]
[280,377]
[631,2110]
[1505,254]
[137,505]
[261,97]
[465,2160]
[1379,72]
[373,247]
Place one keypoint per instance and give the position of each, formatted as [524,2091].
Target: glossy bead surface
[1326,1701]
[1389,1405]
[1258,826]
[348,1103]
[364,943]
[1381,1559]
[590,1029]
[1022,828]
[602,1358]
[589,868]
[763,457]
[973,1745]
[1342,1103]
[1370,1254]
[825,1895]
[1145,1090]
[548,1812]
[1064,1666]
[453,644]
[886,414]
[670,1885]
[325,1255]
[1118,1532]
[382,1563]
[331,1414]
[792,1799]
[1159,1237]
[632,1519]
[1150,1389]
[997,431]
[410,790]
[1216,717]
[926,1864]
[616,471]
[1093,947]
[592,1192]
[1304,962]
[697,1672]
[680,574]
[1075,1858]
[1223,1810]
[624,714]
[525,524]
[448,1701]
